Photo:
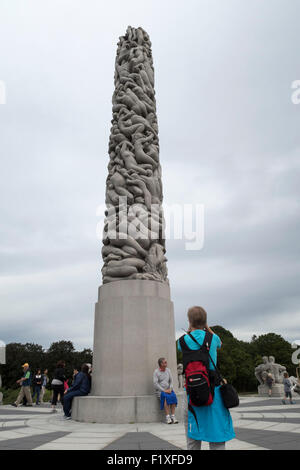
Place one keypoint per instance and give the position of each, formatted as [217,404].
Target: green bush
[9,395]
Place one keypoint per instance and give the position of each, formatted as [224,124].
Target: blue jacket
[81,383]
[211,423]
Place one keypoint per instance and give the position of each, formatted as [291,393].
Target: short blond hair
[197,317]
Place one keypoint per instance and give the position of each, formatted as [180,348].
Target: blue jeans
[68,401]
[37,391]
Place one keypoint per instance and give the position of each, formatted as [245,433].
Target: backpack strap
[183,344]
[206,342]
[191,409]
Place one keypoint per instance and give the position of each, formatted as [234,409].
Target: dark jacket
[81,383]
[59,374]
[37,380]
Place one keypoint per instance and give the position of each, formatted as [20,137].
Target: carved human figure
[261,371]
[269,367]
[134,170]
[180,375]
[276,370]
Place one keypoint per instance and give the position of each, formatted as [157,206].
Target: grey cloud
[229,138]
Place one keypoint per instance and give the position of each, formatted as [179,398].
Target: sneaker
[13,404]
[68,417]
[168,420]
[174,420]
[283,402]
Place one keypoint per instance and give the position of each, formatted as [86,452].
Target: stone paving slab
[28,443]
[268,402]
[260,424]
[11,428]
[270,439]
[140,441]
[294,420]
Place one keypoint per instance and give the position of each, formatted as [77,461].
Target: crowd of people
[209,420]
[61,391]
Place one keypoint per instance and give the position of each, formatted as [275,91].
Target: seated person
[163,385]
[81,387]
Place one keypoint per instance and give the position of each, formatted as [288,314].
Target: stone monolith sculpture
[134,319]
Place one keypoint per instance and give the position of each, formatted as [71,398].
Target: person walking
[210,423]
[57,384]
[45,380]
[37,385]
[25,383]
[163,386]
[81,387]
[287,389]
[269,382]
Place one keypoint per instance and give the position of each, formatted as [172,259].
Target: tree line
[39,358]
[236,359]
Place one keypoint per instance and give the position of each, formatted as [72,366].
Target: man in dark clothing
[81,387]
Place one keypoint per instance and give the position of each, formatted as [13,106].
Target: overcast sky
[229,137]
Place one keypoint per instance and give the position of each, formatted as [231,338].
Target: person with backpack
[81,387]
[25,383]
[163,386]
[57,384]
[204,414]
[287,389]
[37,385]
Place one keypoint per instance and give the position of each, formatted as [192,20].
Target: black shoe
[13,404]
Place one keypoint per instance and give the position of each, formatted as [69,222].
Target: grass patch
[10,395]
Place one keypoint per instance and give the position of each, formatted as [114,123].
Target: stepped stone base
[277,390]
[120,410]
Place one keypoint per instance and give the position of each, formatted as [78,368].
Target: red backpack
[200,380]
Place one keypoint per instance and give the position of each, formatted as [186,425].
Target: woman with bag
[57,384]
[211,423]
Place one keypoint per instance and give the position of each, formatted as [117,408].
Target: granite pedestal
[134,326]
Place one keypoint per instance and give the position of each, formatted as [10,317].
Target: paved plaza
[260,424]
